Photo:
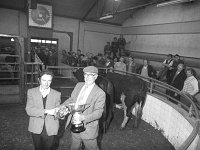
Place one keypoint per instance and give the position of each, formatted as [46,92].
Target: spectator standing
[174,65]
[167,63]
[131,65]
[45,58]
[109,63]
[177,79]
[122,43]
[79,55]
[101,61]
[107,49]
[120,66]
[190,87]
[52,59]
[115,47]
[191,83]
[64,57]
[146,70]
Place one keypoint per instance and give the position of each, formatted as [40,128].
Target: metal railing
[66,72]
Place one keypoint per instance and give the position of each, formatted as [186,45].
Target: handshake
[58,112]
[61,112]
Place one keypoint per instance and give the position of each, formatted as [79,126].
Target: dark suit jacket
[179,80]
[94,109]
[35,109]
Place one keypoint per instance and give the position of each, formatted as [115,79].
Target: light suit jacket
[35,109]
[93,112]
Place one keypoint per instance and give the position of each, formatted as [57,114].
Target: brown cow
[130,91]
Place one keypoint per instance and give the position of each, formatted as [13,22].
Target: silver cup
[77,125]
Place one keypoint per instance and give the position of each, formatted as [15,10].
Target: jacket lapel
[38,97]
[91,95]
[50,98]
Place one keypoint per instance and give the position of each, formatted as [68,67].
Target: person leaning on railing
[176,80]
[190,87]
[146,70]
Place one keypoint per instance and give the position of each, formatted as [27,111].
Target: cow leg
[125,120]
[136,122]
[123,125]
[137,112]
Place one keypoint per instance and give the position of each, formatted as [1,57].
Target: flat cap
[91,69]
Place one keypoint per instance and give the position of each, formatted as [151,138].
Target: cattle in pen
[130,92]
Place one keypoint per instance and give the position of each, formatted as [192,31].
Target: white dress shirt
[44,92]
[191,85]
[86,94]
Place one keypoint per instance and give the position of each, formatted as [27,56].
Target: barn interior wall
[87,36]
[93,36]
[171,29]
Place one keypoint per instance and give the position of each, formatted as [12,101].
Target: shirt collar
[44,91]
[91,85]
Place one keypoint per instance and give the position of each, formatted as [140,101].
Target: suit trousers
[89,144]
[43,141]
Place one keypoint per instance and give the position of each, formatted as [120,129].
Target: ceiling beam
[89,10]
[136,7]
[104,22]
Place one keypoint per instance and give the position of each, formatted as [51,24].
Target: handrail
[153,82]
[195,130]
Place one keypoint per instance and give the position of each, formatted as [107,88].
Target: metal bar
[9,71]
[9,63]
[10,78]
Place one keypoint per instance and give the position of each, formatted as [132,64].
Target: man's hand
[50,111]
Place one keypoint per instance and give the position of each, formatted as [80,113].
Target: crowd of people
[181,77]
[47,55]
[112,51]
[174,72]
[116,47]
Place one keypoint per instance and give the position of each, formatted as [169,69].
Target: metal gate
[11,58]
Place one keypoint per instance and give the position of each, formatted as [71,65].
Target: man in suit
[94,100]
[177,79]
[42,104]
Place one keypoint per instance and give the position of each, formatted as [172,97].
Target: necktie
[82,94]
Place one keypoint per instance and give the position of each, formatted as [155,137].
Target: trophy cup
[77,126]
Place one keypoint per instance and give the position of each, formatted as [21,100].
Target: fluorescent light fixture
[173,2]
[106,17]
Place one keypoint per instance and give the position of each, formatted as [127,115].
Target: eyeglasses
[89,74]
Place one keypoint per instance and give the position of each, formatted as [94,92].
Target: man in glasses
[93,97]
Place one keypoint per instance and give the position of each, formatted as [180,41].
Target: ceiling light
[173,2]
[106,17]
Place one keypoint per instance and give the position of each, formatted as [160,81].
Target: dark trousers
[121,50]
[43,141]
